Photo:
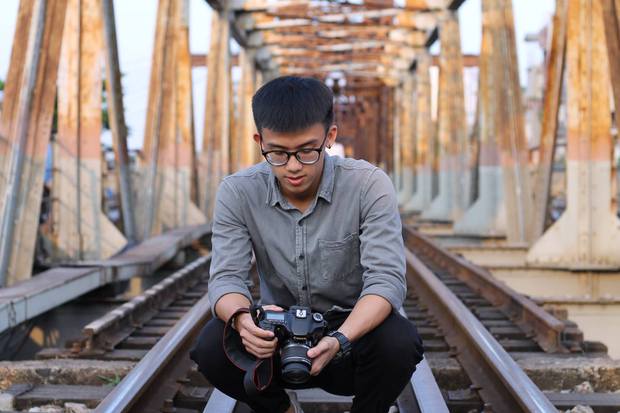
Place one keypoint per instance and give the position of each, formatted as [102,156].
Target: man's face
[295,178]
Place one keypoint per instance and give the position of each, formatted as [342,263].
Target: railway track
[460,315]
[518,322]
[165,380]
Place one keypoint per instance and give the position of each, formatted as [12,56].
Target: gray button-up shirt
[347,244]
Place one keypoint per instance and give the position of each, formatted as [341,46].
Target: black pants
[380,365]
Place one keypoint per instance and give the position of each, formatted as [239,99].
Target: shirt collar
[326,187]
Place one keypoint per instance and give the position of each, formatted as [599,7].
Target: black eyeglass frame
[293,153]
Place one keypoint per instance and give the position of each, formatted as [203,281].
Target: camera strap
[258,372]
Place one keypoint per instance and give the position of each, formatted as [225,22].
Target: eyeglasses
[306,156]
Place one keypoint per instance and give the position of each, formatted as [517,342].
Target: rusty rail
[153,380]
[106,332]
[545,329]
[501,383]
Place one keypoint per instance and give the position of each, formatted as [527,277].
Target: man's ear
[256,138]
[331,136]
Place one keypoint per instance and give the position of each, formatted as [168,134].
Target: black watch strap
[345,344]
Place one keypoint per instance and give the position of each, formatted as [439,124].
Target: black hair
[292,104]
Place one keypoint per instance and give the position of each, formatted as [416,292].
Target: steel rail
[220,403]
[546,330]
[153,379]
[425,389]
[113,327]
[501,383]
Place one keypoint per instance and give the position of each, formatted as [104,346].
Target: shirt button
[301,224]
[301,256]
[303,287]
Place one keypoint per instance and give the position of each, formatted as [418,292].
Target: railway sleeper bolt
[168,406]
[76,347]
[475,387]
[487,408]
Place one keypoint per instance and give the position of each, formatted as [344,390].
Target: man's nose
[293,164]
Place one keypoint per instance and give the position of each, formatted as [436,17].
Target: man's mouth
[295,180]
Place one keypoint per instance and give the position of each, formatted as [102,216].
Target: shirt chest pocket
[339,258]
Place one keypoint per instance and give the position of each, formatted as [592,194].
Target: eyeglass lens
[308,156]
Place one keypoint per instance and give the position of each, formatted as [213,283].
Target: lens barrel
[295,363]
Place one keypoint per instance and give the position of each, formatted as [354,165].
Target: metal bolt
[168,406]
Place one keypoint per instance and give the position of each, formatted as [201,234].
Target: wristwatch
[345,344]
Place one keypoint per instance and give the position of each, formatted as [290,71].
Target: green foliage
[1,85]
[105,118]
[111,381]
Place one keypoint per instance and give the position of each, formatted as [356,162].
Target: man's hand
[322,354]
[258,342]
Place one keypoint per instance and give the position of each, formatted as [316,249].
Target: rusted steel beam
[407,144]
[246,129]
[469,60]
[116,113]
[148,193]
[182,167]
[397,110]
[504,203]
[513,146]
[202,60]
[326,32]
[553,94]
[611,16]
[80,230]
[389,93]
[267,5]
[25,126]
[258,82]
[587,235]
[484,216]
[423,174]
[397,19]
[215,158]
[168,141]
[449,203]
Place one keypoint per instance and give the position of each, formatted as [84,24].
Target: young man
[326,234]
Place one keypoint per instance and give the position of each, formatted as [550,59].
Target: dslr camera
[297,330]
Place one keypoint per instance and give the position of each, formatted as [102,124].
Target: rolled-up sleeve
[231,247]
[382,252]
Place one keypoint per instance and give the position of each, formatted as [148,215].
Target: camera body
[297,330]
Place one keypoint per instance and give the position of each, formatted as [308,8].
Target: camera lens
[295,363]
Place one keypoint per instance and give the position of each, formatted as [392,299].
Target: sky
[135,22]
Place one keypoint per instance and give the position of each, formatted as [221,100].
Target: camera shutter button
[318,317]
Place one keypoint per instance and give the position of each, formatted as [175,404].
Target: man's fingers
[257,348]
[317,350]
[259,342]
[258,352]
[272,307]
[256,331]
[317,365]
